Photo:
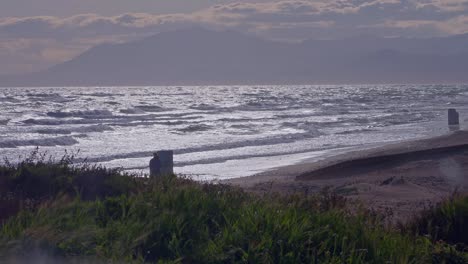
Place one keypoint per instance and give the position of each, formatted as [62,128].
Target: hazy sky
[35,34]
[103,7]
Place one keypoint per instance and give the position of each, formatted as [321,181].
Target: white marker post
[167,161]
[453,117]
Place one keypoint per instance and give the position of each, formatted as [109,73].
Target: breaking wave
[229,122]
[85,129]
[82,114]
[44,142]
[268,141]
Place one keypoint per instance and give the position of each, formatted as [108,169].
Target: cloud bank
[32,43]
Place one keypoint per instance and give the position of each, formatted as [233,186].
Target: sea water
[220,132]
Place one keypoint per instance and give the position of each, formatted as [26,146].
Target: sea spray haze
[220,131]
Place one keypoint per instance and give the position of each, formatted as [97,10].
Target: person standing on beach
[155,165]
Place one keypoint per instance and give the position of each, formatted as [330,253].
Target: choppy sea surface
[224,131]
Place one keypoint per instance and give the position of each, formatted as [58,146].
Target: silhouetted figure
[453,117]
[155,166]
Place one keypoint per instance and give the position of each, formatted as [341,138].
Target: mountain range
[198,56]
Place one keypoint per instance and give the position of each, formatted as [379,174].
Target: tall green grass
[177,220]
[448,222]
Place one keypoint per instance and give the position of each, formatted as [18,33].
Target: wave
[49,97]
[242,130]
[132,111]
[54,131]
[86,129]
[101,94]
[96,128]
[402,118]
[141,109]
[91,114]
[151,108]
[148,123]
[205,107]
[9,99]
[306,126]
[44,142]
[4,122]
[195,128]
[241,126]
[122,121]
[355,131]
[285,116]
[178,94]
[268,141]
[241,119]
[55,122]
[112,103]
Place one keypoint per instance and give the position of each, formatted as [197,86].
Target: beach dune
[400,179]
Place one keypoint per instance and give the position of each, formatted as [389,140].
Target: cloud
[85,25]
[457,25]
[59,39]
[444,5]
[254,17]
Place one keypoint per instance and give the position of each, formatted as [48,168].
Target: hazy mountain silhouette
[199,56]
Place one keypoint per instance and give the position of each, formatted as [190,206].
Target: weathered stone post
[167,161]
[453,117]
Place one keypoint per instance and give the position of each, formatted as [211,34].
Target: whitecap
[81,129]
[82,114]
[43,142]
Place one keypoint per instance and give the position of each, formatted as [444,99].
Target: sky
[36,34]
[63,8]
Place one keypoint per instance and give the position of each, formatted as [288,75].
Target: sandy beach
[400,179]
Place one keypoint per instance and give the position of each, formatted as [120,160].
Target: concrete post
[453,117]
[167,161]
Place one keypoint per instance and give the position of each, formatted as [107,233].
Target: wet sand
[399,179]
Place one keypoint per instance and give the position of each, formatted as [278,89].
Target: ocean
[220,132]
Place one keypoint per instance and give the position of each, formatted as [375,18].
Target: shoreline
[403,177]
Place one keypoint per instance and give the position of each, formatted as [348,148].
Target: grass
[89,211]
[447,222]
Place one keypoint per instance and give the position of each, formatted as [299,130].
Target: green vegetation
[88,211]
[447,222]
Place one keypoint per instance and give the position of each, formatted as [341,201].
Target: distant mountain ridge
[199,56]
